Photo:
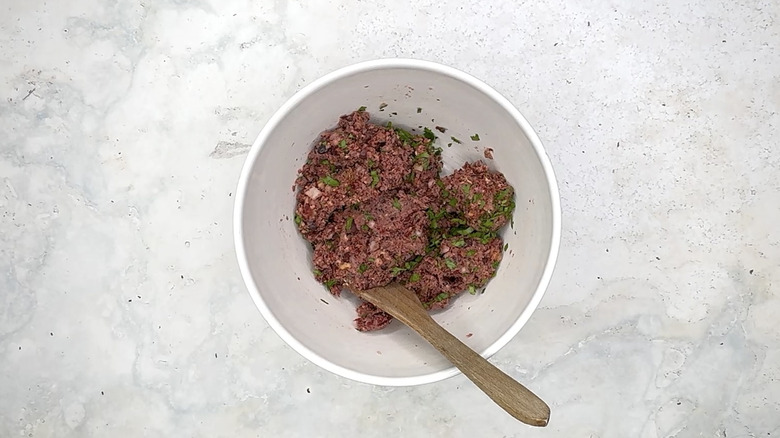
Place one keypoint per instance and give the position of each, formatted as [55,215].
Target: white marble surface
[123,126]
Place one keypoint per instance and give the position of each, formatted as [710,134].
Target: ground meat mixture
[372,204]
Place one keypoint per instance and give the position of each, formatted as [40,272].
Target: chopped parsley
[475,137]
[405,136]
[330,283]
[427,133]
[472,289]
[450,263]
[414,277]
[298,219]
[343,144]
[459,243]
[361,109]
[317,272]
[329,180]
[396,203]
[362,268]
[396,270]
[419,110]
[506,246]
[382,106]
[456,140]
[374,178]
[471,252]
[348,225]
[441,297]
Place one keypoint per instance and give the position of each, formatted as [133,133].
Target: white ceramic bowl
[276,262]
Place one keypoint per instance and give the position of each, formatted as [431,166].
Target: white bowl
[275,261]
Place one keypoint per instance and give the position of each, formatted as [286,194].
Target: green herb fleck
[361,109]
[348,225]
[414,277]
[466,188]
[370,163]
[382,106]
[298,219]
[450,263]
[459,243]
[427,133]
[475,137]
[441,297]
[456,140]
[471,252]
[419,110]
[396,270]
[404,136]
[362,268]
[472,289]
[506,246]
[330,283]
[374,178]
[317,272]
[396,203]
[343,144]
[329,180]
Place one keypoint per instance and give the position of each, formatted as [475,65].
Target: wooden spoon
[508,393]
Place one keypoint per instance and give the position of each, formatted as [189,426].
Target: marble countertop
[123,127]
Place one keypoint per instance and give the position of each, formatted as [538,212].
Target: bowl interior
[277,261]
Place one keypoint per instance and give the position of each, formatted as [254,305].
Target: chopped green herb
[472,289]
[456,140]
[396,203]
[364,227]
[317,272]
[298,219]
[362,268]
[464,232]
[348,225]
[330,283]
[459,243]
[427,133]
[441,129]
[414,277]
[405,136]
[495,265]
[329,180]
[389,125]
[423,155]
[374,178]
[450,263]
[441,297]
[475,137]
[382,106]
[419,110]
[471,252]
[506,246]
[361,109]
[466,188]
[396,270]
[343,144]
[370,163]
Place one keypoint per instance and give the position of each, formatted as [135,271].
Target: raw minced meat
[371,202]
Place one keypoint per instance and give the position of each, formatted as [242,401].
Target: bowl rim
[270,126]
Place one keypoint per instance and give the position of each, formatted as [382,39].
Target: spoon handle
[505,391]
